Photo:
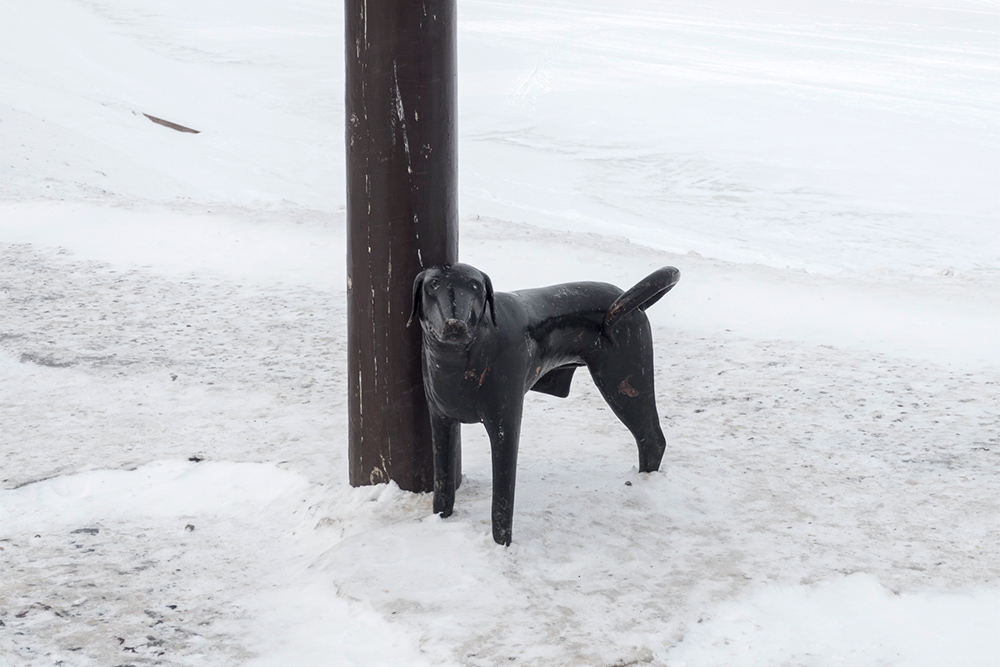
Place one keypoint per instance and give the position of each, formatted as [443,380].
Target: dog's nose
[455,329]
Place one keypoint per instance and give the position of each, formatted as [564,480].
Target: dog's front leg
[504,428]
[446,445]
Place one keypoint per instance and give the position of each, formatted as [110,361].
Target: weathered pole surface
[402,216]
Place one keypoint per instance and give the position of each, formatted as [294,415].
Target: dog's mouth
[455,331]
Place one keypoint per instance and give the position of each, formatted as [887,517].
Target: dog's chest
[455,386]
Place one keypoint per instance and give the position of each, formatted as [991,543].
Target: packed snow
[173,341]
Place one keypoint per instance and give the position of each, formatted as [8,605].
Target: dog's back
[579,306]
[578,303]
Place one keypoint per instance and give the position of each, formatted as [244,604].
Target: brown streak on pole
[401,217]
[172,126]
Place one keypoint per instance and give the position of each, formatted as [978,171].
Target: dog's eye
[434,283]
[475,287]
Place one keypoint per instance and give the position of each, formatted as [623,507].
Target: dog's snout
[455,329]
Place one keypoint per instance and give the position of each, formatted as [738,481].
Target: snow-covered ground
[173,488]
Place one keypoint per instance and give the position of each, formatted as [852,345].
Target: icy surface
[174,488]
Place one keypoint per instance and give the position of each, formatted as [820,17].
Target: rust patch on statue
[625,388]
[473,374]
[613,311]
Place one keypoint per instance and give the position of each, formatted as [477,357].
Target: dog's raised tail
[644,294]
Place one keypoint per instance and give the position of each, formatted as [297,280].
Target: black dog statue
[483,351]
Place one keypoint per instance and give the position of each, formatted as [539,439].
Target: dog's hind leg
[504,429]
[446,445]
[623,372]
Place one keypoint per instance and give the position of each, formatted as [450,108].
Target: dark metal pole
[402,216]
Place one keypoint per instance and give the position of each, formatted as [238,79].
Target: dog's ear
[416,310]
[489,300]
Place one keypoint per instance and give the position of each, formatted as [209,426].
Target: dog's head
[451,300]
